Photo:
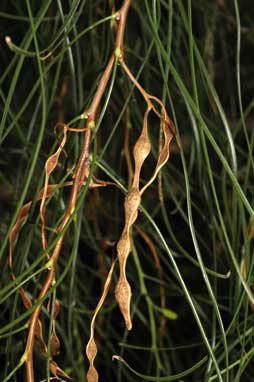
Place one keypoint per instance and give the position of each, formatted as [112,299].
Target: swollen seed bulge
[132,200]
[91,349]
[123,247]
[131,204]
[142,149]
[92,375]
[123,297]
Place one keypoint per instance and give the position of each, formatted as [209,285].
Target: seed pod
[123,298]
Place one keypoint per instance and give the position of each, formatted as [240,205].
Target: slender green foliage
[88,90]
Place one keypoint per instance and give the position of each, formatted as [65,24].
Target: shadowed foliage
[126,190]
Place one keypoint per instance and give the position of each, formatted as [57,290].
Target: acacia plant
[123,138]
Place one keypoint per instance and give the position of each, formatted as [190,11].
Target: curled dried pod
[39,335]
[57,371]
[55,344]
[123,298]
[51,163]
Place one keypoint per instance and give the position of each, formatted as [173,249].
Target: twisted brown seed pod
[132,202]
[91,348]
[91,351]
[50,165]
